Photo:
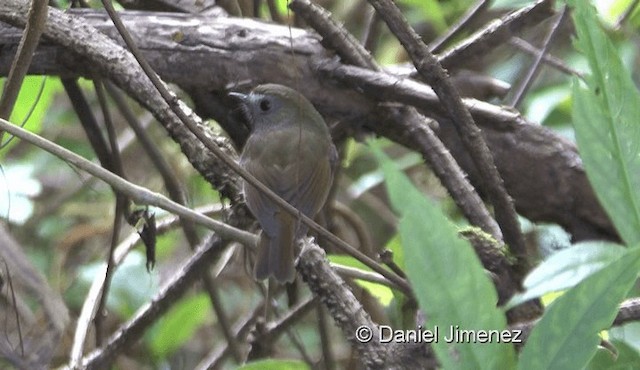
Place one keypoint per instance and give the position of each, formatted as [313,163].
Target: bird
[289,150]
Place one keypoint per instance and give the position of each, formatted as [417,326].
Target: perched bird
[291,152]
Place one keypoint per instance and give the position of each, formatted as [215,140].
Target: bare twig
[37,18]
[137,193]
[533,71]
[494,34]
[629,311]
[120,208]
[325,339]
[355,273]
[471,14]
[371,34]
[547,58]
[15,308]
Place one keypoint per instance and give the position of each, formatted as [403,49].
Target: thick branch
[542,171]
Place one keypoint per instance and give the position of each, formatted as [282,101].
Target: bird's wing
[301,175]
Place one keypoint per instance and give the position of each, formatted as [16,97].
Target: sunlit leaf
[605,117]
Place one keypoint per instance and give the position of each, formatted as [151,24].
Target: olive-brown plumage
[291,152]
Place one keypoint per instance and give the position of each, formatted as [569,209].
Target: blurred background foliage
[63,218]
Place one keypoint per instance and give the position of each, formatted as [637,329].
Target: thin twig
[32,109]
[627,13]
[371,34]
[15,309]
[356,273]
[494,34]
[120,209]
[137,193]
[472,13]
[347,46]
[36,21]
[533,71]
[88,121]
[525,46]
[383,86]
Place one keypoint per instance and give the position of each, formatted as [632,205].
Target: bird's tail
[276,253]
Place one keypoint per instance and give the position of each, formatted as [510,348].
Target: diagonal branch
[35,25]
[431,70]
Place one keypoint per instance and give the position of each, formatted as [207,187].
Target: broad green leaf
[179,324]
[566,336]
[565,269]
[605,117]
[449,282]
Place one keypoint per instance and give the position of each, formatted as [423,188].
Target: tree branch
[198,52]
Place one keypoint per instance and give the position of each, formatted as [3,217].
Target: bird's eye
[265,105]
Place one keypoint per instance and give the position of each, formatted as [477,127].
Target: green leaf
[605,117]
[565,269]
[275,365]
[179,324]
[449,282]
[567,335]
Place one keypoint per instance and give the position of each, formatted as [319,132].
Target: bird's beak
[241,98]
[241,101]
